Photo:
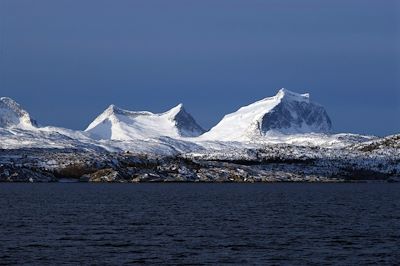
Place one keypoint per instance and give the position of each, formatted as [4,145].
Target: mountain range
[286,137]
[285,114]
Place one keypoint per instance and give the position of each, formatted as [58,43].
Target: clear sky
[65,61]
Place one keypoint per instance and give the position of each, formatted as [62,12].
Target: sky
[66,61]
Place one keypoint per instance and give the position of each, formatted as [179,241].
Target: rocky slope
[269,163]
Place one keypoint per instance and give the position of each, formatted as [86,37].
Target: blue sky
[66,61]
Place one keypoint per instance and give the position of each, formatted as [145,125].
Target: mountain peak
[286,112]
[184,122]
[175,110]
[112,107]
[13,115]
[116,123]
[6,101]
[113,110]
[287,94]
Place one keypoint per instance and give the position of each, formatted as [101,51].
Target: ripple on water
[110,224]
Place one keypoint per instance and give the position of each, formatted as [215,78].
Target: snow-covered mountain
[118,124]
[282,138]
[288,118]
[19,131]
[12,115]
[286,112]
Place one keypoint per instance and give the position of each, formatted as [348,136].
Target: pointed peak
[175,110]
[285,93]
[178,107]
[282,91]
[12,114]
[6,99]
[112,107]
[184,122]
[10,102]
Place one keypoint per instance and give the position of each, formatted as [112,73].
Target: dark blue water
[273,224]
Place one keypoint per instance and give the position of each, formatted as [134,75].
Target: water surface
[117,224]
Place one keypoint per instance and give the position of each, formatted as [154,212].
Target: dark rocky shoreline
[53,165]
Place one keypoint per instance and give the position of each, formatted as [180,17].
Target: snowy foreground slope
[281,138]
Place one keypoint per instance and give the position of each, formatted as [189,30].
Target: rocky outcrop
[10,173]
[274,163]
[103,175]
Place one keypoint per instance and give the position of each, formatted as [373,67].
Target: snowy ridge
[281,138]
[286,112]
[286,118]
[118,124]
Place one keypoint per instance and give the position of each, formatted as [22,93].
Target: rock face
[185,123]
[296,114]
[286,112]
[103,175]
[118,124]
[12,115]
